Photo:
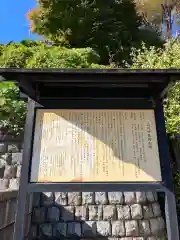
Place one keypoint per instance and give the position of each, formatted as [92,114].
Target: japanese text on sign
[95,146]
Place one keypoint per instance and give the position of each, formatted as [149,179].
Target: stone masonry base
[76,215]
[99,215]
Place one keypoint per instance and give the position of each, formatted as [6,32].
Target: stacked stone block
[76,215]
[10,168]
[97,215]
[10,165]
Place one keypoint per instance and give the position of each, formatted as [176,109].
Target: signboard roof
[58,83]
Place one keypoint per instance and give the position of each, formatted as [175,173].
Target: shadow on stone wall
[116,215]
[55,216]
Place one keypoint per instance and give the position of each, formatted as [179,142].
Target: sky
[13,23]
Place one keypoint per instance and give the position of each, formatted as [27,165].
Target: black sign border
[165,186]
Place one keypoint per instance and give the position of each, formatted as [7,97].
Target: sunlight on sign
[95,146]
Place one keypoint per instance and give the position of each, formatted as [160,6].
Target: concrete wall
[8,201]
[76,215]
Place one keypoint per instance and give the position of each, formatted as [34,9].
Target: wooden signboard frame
[153,101]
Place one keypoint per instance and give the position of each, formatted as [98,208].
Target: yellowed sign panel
[95,146]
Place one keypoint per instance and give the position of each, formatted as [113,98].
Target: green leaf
[2,101]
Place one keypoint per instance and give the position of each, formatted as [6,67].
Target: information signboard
[95,146]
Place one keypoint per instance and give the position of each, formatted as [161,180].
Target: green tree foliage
[110,27]
[35,54]
[12,111]
[169,57]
